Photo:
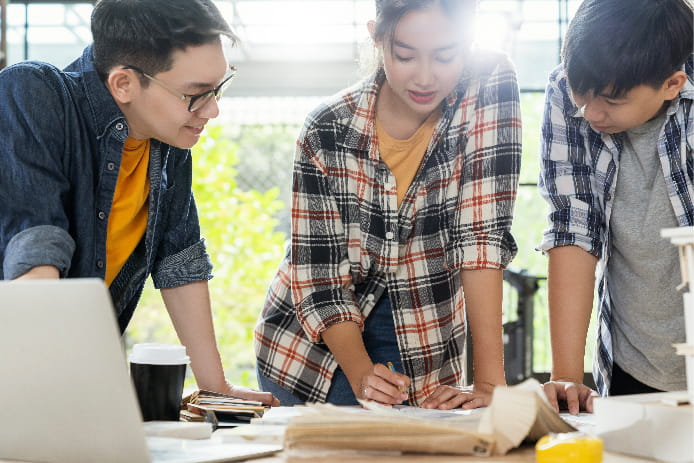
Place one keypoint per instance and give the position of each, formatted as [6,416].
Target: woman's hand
[383,386]
[250,394]
[465,397]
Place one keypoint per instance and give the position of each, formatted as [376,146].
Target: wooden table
[525,454]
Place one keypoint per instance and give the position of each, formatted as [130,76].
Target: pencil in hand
[392,368]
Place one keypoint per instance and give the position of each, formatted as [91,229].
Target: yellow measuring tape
[570,447]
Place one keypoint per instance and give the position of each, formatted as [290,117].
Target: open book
[516,413]
[519,413]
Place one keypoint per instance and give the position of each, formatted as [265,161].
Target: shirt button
[101,215]
[389,235]
[100,263]
[370,297]
[111,165]
[608,197]
[119,126]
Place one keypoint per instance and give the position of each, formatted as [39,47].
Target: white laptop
[65,390]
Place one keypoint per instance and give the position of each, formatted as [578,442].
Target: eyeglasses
[197,101]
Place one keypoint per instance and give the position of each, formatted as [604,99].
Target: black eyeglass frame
[201,98]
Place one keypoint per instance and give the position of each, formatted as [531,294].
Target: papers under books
[219,409]
[515,414]
[342,428]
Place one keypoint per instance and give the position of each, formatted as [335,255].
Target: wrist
[493,375]
[215,384]
[566,378]
[40,272]
[356,374]
[488,383]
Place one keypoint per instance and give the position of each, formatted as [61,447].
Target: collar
[363,112]
[102,107]
[360,101]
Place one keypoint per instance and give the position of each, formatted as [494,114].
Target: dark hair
[390,12]
[144,33]
[616,45]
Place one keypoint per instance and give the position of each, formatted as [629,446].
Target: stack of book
[220,410]
[516,414]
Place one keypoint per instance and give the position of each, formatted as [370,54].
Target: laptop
[65,388]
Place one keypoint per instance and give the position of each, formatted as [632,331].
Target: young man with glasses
[95,164]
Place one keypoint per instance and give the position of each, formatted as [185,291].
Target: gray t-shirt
[643,269]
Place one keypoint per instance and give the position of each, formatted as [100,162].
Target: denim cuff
[35,246]
[189,265]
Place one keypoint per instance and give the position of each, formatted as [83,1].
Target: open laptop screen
[64,382]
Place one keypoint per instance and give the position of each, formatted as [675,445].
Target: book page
[381,428]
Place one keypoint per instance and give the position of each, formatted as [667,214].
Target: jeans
[381,345]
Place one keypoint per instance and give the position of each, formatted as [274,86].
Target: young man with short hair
[95,164]
[617,167]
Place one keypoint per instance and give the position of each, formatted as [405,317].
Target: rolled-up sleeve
[35,246]
[181,254]
[480,230]
[567,175]
[322,285]
[33,183]
[189,265]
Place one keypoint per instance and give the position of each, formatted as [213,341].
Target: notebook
[65,387]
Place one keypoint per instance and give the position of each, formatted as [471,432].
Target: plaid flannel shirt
[351,244]
[577,178]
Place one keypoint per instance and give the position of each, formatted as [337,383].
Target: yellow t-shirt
[403,157]
[128,219]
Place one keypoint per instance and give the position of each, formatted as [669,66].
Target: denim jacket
[60,154]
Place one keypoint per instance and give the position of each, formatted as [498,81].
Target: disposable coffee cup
[158,372]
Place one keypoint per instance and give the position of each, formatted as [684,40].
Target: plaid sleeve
[488,176]
[322,287]
[566,174]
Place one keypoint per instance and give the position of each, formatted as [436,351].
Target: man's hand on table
[577,396]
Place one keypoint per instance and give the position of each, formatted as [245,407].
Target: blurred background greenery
[239,227]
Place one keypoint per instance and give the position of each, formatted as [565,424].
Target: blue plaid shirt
[578,179]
